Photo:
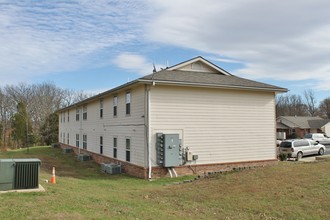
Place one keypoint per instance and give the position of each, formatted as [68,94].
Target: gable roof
[209,75]
[201,60]
[207,79]
[302,122]
[184,74]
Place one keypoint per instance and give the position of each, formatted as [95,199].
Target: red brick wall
[157,172]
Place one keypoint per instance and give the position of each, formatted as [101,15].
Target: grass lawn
[290,190]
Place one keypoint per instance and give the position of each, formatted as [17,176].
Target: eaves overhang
[208,85]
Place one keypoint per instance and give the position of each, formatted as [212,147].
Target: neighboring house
[326,128]
[208,119]
[298,126]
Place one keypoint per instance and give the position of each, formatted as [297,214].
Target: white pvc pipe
[169,170]
[176,175]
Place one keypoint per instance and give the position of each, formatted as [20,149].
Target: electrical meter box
[169,152]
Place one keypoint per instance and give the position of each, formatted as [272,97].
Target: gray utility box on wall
[19,173]
[168,150]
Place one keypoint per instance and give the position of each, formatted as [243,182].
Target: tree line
[302,105]
[28,113]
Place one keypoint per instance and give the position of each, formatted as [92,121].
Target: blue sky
[95,45]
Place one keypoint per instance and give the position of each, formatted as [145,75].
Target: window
[85,142]
[115,103]
[301,143]
[77,140]
[77,114]
[128,103]
[63,116]
[85,112]
[101,108]
[63,140]
[68,139]
[101,144]
[68,115]
[128,149]
[115,147]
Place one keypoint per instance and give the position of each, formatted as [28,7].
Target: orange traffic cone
[53,179]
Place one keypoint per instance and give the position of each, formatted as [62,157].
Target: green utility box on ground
[19,174]
[7,174]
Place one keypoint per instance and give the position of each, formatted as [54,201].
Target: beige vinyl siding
[217,125]
[122,126]
[198,66]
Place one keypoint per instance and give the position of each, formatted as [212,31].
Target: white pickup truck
[319,137]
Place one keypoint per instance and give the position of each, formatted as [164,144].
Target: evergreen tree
[21,125]
[49,130]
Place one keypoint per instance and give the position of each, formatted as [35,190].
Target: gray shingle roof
[210,79]
[303,122]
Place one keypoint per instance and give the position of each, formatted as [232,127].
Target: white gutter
[164,82]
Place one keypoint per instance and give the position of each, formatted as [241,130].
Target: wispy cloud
[135,63]
[40,37]
[286,40]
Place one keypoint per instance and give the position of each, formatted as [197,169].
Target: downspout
[81,139]
[148,131]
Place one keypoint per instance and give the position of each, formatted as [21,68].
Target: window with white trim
[85,142]
[101,108]
[115,104]
[77,140]
[101,144]
[128,149]
[77,114]
[115,147]
[85,112]
[128,103]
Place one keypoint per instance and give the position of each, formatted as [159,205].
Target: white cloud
[41,37]
[288,40]
[135,63]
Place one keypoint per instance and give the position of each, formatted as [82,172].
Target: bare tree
[290,105]
[6,111]
[41,100]
[310,102]
[325,108]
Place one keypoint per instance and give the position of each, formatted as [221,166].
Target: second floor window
[77,114]
[115,104]
[101,108]
[68,115]
[128,103]
[85,112]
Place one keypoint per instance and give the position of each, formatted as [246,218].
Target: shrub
[283,157]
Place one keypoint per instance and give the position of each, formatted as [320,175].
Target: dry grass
[290,190]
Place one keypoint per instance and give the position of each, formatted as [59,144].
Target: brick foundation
[157,172]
